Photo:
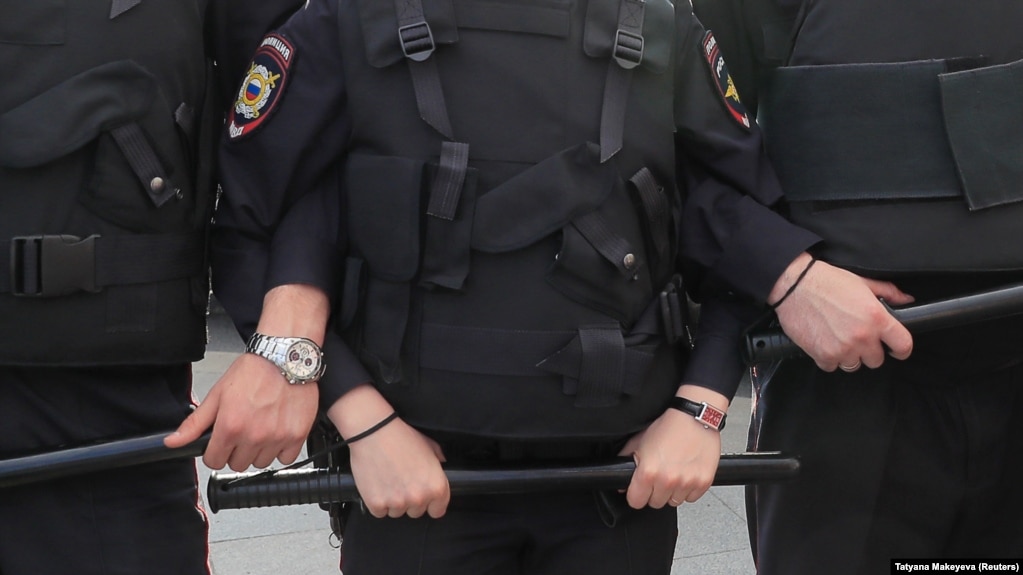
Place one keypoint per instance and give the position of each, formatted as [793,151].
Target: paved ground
[295,540]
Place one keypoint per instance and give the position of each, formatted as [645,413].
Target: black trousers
[918,459]
[143,519]
[546,534]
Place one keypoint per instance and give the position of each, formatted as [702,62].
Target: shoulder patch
[263,86]
[723,80]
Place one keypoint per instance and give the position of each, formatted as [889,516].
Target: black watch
[710,416]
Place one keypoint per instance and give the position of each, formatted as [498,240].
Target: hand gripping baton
[308,486]
[772,344]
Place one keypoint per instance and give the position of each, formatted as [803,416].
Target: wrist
[295,310]
[706,406]
[789,279]
[358,410]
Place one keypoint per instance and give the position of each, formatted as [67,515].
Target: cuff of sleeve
[303,260]
[344,371]
[761,250]
[716,360]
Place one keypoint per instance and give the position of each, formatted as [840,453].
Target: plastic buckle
[416,41]
[52,265]
[628,49]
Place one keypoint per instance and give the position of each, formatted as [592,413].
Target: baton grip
[773,344]
[319,486]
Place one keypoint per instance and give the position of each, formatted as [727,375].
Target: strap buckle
[416,41]
[628,49]
[52,265]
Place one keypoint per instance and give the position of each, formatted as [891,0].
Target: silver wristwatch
[299,359]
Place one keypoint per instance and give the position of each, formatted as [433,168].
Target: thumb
[193,426]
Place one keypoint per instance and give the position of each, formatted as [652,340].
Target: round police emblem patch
[263,86]
[723,80]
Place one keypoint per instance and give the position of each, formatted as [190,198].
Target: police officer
[895,134]
[109,112]
[497,183]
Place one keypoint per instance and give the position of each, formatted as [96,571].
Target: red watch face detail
[711,416]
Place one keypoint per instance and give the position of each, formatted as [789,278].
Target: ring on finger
[850,368]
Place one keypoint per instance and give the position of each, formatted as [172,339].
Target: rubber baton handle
[315,486]
[96,457]
[773,344]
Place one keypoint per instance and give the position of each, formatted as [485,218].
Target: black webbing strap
[626,55]
[447,184]
[145,163]
[418,45]
[601,376]
[655,206]
[612,246]
[53,265]
[448,241]
[118,7]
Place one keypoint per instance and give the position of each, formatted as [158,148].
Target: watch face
[302,360]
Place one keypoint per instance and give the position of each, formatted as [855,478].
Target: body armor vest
[105,182]
[507,271]
[899,141]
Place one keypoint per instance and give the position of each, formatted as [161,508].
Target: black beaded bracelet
[373,429]
[792,287]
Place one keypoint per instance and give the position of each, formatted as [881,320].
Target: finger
[242,456]
[193,426]
[898,340]
[290,454]
[438,507]
[889,292]
[265,458]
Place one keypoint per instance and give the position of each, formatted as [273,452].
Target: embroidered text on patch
[723,80]
[261,91]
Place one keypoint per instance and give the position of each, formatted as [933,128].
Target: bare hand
[397,472]
[256,416]
[676,459]
[836,318]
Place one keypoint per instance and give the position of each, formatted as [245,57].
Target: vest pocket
[383,195]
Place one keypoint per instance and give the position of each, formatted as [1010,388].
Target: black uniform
[505,181]
[108,117]
[895,139]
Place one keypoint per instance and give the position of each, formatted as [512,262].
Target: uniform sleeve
[732,234]
[278,220]
[234,29]
[716,360]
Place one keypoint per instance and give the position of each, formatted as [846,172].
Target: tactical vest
[105,182]
[512,213]
[897,133]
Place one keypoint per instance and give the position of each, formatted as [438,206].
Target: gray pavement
[295,540]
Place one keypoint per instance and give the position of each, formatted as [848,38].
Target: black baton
[773,344]
[309,486]
[97,457]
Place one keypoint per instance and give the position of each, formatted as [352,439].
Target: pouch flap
[383,195]
[658,32]
[542,199]
[986,139]
[74,112]
[380,28]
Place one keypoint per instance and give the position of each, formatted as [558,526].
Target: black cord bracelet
[373,429]
[792,287]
